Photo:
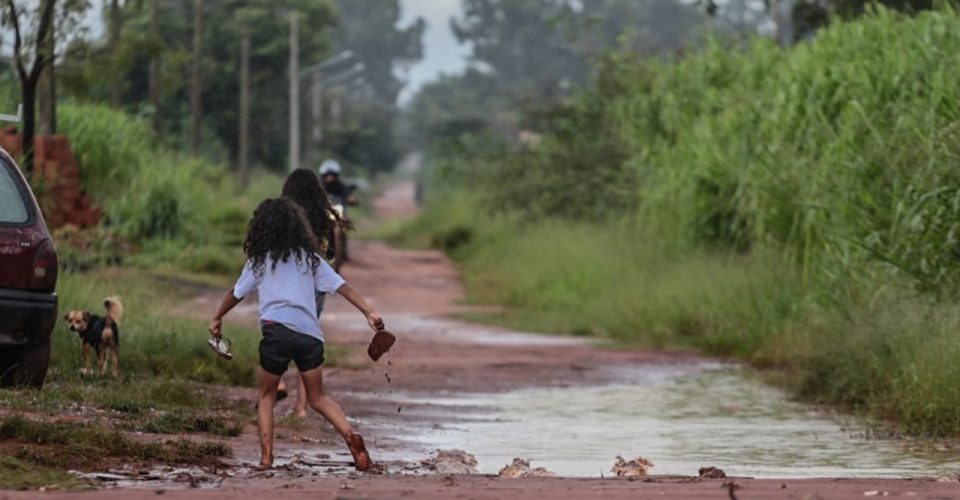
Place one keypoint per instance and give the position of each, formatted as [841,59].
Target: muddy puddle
[681,418]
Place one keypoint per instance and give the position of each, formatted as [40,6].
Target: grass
[162,334]
[17,474]
[178,423]
[796,208]
[889,355]
[86,447]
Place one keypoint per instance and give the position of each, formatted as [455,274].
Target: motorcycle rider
[340,195]
[339,192]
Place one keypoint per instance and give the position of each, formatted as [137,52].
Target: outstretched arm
[373,319]
[216,325]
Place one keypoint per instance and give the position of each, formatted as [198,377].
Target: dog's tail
[114,308]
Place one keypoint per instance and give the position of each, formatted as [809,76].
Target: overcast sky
[442,54]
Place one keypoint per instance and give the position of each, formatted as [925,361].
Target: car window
[13,209]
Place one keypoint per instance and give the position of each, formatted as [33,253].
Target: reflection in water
[680,421]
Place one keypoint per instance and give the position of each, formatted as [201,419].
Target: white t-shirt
[287,293]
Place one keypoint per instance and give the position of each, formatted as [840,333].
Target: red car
[28,281]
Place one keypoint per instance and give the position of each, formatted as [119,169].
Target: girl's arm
[216,325]
[373,319]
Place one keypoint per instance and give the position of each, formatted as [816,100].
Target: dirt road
[416,292]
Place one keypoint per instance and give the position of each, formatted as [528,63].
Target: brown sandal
[359,451]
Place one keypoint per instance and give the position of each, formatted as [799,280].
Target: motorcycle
[339,239]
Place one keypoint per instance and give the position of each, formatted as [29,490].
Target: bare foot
[359,451]
[300,414]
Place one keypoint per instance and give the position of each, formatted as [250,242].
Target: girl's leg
[313,381]
[281,390]
[300,410]
[267,398]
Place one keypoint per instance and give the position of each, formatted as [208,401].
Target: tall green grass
[176,210]
[797,208]
[162,334]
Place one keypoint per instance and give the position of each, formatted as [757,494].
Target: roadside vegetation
[173,229]
[36,452]
[796,208]
[151,107]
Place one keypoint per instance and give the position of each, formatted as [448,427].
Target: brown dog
[100,334]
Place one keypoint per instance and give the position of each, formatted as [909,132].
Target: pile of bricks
[55,169]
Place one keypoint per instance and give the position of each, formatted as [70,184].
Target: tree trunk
[28,94]
[115,77]
[48,88]
[196,82]
[243,155]
[153,84]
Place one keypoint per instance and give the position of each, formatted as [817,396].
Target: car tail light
[44,276]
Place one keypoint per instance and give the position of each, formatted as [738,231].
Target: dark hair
[303,188]
[279,230]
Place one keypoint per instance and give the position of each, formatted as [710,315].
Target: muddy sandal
[359,451]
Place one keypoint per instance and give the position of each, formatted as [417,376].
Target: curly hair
[303,188]
[279,230]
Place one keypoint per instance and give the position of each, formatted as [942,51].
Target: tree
[159,34]
[66,26]
[524,43]
[371,30]
[29,73]
[539,50]
[47,86]
[360,127]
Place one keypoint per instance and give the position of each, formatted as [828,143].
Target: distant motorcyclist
[339,192]
[340,196]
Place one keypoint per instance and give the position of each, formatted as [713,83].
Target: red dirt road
[414,290]
[478,487]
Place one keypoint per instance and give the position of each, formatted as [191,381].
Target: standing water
[681,420]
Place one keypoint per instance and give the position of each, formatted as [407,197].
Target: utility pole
[319,80]
[294,93]
[153,82]
[196,78]
[316,115]
[115,77]
[244,149]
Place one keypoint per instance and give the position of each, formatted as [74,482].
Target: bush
[178,210]
[798,208]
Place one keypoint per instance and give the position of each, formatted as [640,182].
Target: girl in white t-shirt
[303,188]
[286,271]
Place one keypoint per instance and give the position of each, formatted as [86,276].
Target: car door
[19,234]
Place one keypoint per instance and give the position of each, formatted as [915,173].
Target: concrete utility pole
[294,93]
[244,149]
[115,28]
[196,78]
[318,81]
[316,113]
[153,82]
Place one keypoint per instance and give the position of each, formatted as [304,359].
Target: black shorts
[280,345]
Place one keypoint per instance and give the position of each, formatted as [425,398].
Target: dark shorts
[281,345]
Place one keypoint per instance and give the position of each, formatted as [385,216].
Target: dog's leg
[102,359]
[115,352]
[85,352]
